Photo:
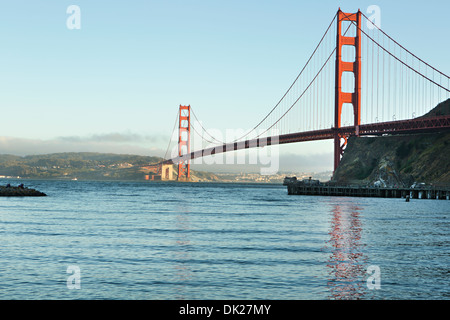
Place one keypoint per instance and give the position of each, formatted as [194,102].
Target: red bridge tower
[184,142]
[354,97]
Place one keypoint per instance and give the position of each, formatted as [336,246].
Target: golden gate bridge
[375,85]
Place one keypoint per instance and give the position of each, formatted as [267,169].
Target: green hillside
[84,166]
[398,160]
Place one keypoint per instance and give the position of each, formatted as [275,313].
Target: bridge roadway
[417,125]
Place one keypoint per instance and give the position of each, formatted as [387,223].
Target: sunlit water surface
[135,240]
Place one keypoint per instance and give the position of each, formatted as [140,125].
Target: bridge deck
[418,125]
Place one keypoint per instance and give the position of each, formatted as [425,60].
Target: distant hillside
[79,156]
[83,166]
[398,160]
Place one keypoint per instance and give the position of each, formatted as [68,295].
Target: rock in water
[19,192]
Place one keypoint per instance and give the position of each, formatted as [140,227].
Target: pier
[314,188]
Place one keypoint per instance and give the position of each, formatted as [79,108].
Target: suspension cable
[285,94]
[295,102]
[206,131]
[306,89]
[388,52]
[404,47]
[170,139]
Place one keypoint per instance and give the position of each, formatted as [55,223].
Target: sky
[115,84]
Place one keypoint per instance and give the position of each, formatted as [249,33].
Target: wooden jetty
[314,188]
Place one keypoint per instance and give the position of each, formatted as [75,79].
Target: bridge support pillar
[184,142]
[166,172]
[341,97]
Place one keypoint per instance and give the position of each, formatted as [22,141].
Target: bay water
[174,241]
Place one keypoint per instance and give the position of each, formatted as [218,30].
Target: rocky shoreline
[19,191]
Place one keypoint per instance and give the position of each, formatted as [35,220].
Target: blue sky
[132,63]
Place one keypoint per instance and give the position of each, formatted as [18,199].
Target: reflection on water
[183,272]
[346,263]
